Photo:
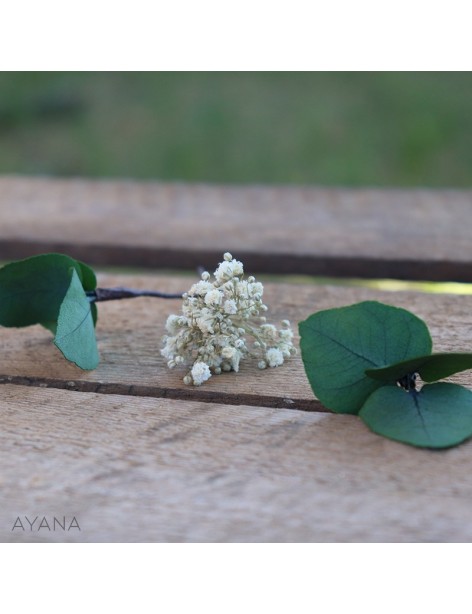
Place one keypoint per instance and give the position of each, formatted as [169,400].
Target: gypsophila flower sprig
[221,324]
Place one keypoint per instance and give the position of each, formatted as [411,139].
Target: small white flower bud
[200,373]
[228,352]
[274,357]
[251,280]
[187,380]
[205,275]
[228,257]
[230,307]
[262,364]
[213,298]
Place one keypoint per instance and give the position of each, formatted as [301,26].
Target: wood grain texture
[160,470]
[405,234]
[129,334]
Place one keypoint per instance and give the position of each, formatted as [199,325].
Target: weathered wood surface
[406,234]
[133,469]
[129,337]
[238,459]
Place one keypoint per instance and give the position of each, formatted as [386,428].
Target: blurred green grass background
[396,129]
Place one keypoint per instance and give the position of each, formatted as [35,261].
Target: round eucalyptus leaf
[32,290]
[438,416]
[338,345]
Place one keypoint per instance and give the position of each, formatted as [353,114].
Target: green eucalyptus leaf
[32,290]
[438,416]
[338,345]
[431,367]
[75,334]
[86,275]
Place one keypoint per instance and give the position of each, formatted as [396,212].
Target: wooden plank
[129,334]
[405,234]
[160,470]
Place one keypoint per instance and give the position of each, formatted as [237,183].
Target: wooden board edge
[434,270]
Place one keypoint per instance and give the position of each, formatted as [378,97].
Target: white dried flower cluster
[220,325]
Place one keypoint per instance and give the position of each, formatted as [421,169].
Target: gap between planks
[351,232]
[277,263]
[190,393]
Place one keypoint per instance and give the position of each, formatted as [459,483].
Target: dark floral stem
[113,294]
[408,382]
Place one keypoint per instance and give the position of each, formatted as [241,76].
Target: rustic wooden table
[135,455]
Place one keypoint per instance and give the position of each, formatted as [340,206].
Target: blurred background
[396,129]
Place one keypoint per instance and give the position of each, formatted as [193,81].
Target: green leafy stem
[364,359]
[60,293]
